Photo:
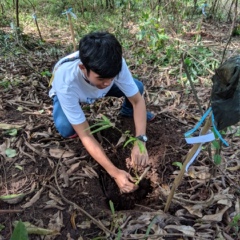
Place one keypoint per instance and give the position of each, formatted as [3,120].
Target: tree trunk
[82,6]
[195,4]
[2,9]
[229,13]
[17,14]
[110,4]
[214,6]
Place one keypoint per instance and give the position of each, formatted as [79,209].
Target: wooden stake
[71,29]
[189,156]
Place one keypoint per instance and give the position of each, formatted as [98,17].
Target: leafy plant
[46,73]
[102,124]
[105,123]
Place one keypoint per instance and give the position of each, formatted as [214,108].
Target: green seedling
[105,123]
[46,73]
[139,143]
[139,179]
[115,223]
[102,124]
[178,164]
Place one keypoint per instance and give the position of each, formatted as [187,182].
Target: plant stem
[142,176]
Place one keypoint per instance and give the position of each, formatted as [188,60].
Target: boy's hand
[124,181]
[138,158]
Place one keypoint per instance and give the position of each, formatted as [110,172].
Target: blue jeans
[65,128]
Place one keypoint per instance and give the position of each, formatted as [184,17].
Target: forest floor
[55,179]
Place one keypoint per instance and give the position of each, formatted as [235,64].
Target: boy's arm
[140,120]
[122,178]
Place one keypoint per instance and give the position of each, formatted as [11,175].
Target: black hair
[101,53]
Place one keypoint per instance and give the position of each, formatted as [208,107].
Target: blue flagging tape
[218,133]
[188,133]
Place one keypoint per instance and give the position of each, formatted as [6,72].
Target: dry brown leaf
[7,126]
[225,202]
[121,139]
[84,225]
[69,237]
[216,217]
[236,168]
[187,230]
[195,210]
[157,229]
[90,172]
[226,236]
[52,204]
[65,177]
[200,172]
[55,223]
[3,148]
[55,198]
[51,163]
[58,153]
[33,199]
[237,206]
[73,168]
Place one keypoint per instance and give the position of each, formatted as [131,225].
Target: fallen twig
[4,211]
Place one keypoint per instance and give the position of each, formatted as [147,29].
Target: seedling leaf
[100,129]
[216,144]
[178,164]
[12,132]
[217,159]
[112,207]
[20,232]
[1,227]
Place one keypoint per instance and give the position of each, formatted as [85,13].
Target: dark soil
[92,194]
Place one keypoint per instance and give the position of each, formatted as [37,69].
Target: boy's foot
[73,136]
[150,116]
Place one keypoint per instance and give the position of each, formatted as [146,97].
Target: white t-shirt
[71,89]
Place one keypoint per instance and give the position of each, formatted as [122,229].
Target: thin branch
[231,30]
[7,211]
[192,85]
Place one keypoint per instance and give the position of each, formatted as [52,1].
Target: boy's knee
[64,129]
